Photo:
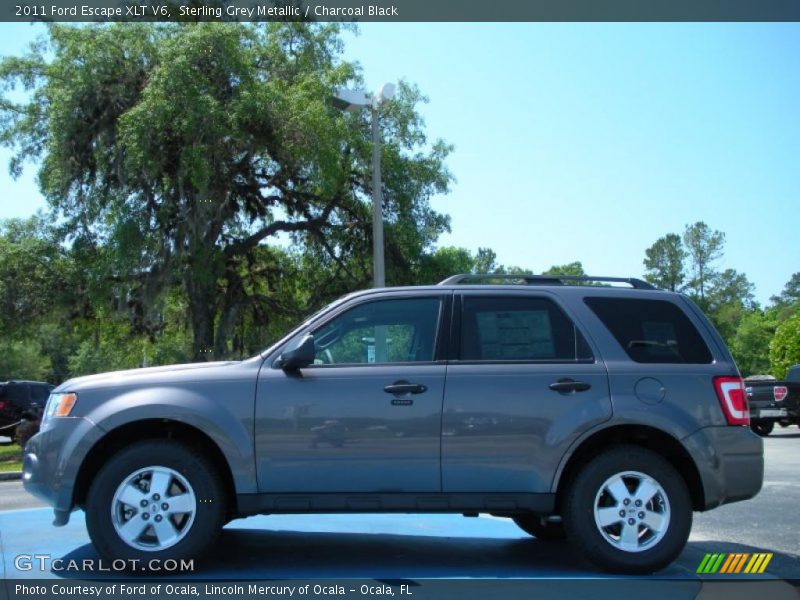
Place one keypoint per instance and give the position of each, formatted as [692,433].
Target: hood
[165,374]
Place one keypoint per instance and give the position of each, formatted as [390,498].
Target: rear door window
[519,329]
[651,331]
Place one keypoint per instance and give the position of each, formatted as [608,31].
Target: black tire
[762,428]
[600,547]
[541,528]
[201,531]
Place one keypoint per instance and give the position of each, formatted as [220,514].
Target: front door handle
[568,386]
[405,387]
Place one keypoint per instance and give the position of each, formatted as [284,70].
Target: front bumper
[730,461]
[52,459]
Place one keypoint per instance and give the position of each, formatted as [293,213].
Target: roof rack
[546,279]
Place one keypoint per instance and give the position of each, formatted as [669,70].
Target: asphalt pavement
[14,497]
[432,546]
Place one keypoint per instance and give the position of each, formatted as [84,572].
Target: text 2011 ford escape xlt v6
[596,412]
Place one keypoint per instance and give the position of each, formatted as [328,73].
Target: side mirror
[299,356]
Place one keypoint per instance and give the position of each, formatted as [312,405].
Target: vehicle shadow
[294,554]
[263,554]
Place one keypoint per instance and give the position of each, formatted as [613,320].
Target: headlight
[58,405]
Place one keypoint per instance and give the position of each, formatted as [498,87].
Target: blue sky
[589,141]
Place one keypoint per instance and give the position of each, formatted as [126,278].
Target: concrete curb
[10,475]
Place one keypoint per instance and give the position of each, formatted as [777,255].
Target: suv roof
[527,279]
[521,280]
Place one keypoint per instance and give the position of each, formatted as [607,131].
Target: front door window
[385,331]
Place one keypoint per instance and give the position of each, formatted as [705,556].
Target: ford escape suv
[577,408]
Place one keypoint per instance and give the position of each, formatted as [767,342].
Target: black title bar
[398,10]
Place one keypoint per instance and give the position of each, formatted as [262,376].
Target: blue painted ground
[330,546]
[338,546]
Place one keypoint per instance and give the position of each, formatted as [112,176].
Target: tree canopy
[182,149]
[664,261]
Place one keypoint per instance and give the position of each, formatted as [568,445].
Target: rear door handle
[405,387]
[567,386]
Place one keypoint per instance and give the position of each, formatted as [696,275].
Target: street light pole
[352,100]
[379,274]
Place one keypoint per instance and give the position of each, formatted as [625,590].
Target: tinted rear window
[651,331]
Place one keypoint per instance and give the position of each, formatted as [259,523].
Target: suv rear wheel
[628,510]
[156,499]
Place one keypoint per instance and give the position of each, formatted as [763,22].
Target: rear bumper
[792,411]
[730,461]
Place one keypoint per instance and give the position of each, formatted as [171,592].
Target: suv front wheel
[156,499]
[628,510]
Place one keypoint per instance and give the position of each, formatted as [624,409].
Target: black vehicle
[773,401]
[21,400]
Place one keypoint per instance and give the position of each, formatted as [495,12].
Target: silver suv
[599,413]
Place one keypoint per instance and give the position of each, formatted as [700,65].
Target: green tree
[573,268]
[443,263]
[791,292]
[32,270]
[784,349]
[664,263]
[788,302]
[731,287]
[42,291]
[177,151]
[704,248]
[728,299]
[23,360]
[486,262]
[750,343]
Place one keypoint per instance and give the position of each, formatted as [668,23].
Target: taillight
[2,405]
[732,398]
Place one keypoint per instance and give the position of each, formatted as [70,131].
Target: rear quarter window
[651,331]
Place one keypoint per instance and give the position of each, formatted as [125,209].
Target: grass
[10,458]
